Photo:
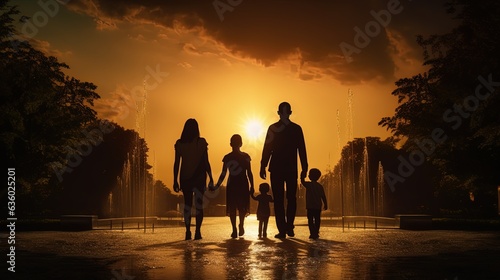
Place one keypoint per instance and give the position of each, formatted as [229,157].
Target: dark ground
[353,254]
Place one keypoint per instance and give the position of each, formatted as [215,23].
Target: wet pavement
[163,254]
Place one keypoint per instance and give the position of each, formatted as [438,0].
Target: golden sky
[228,63]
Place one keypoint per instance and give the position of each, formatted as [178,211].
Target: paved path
[353,254]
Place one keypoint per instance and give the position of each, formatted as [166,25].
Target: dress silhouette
[238,183]
[191,153]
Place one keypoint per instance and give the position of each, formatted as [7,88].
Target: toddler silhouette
[263,209]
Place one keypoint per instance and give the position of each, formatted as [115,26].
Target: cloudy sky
[229,63]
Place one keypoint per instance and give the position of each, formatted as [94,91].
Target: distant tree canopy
[42,111]
[66,158]
[450,113]
[87,185]
[370,193]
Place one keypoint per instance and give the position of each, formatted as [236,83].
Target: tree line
[443,157]
[449,114]
[68,160]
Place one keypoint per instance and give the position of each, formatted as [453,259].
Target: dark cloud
[47,48]
[308,33]
[118,107]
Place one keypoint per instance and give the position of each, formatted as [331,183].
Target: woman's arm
[176,170]
[250,178]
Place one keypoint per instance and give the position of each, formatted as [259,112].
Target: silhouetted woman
[191,152]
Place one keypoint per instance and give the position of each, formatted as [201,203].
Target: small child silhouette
[314,195]
[263,209]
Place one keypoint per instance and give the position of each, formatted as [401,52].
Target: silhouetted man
[283,140]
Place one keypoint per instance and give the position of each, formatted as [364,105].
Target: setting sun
[254,129]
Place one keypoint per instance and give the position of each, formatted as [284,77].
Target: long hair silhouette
[190,131]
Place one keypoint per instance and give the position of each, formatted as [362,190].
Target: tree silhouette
[42,112]
[67,160]
[99,184]
[165,200]
[451,111]
[414,195]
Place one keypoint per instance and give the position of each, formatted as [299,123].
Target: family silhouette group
[283,144]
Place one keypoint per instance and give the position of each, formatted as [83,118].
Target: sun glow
[254,129]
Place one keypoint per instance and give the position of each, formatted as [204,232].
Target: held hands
[211,184]
[263,172]
[176,186]
[213,188]
[303,174]
[325,208]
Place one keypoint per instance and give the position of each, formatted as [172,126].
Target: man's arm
[302,153]
[250,176]
[266,153]
[303,182]
[252,195]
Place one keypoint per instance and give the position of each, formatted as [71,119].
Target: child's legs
[261,223]
[265,221]
[310,221]
[317,220]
